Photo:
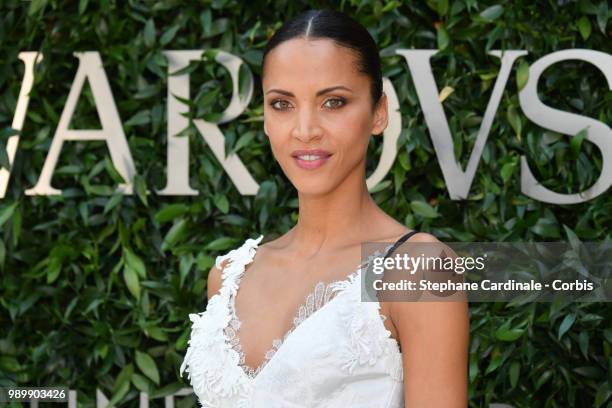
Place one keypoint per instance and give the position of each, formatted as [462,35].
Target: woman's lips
[311,159]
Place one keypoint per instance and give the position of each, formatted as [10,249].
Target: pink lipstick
[310,159]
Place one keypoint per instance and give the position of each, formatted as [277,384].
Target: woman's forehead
[302,59]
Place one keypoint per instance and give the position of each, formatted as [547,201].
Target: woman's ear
[381,116]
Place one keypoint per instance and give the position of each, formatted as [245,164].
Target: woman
[285,325]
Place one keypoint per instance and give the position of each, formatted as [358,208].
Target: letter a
[90,67]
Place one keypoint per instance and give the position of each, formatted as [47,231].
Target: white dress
[337,354]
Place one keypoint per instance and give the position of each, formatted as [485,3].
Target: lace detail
[369,339]
[316,299]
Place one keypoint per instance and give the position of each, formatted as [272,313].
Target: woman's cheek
[351,141]
[280,155]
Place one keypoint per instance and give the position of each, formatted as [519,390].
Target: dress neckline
[230,332]
[319,296]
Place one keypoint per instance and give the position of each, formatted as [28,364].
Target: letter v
[457,180]
[20,112]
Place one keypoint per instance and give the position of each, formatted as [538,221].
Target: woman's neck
[326,221]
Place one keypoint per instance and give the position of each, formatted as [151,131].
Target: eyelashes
[275,101]
[338,103]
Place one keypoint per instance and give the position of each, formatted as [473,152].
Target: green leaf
[423,209]
[567,322]
[380,186]
[507,170]
[507,334]
[111,170]
[522,74]
[82,6]
[121,385]
[604,392]
[494,363]
[53,270]
[157,333]
[36,6]
[167,390]
[546,375]
[442,7]
[146,364]
[515,369]
[135,262]
[442,38]
[546,228]
[243,141]
[206,22]
[141,383]
[245,77]
[174,235]
[514,120]
[602,16]
[169,35]
[473,367]
[185,265]
[111,203]
[492,13]
[149,33]
[101,190]
[584,26]
[5,161]
[181,342]
[576,141]
[8,131]
[404,161]
[141,118]
[589,372]
[130,277]
[9,364]
[572,238]
[220,244]
[221,203]
[7,212]
[141,189]
[608,335]
[170,212]
[583,342]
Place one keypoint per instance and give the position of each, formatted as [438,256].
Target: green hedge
[67,316]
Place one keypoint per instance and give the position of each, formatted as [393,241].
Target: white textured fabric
[340,355]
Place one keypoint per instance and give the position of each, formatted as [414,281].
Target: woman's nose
[307,125]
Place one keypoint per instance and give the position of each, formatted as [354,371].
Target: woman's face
[315,99]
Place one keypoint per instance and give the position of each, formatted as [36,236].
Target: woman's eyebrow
[321,92]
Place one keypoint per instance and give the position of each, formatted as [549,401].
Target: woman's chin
[312,187]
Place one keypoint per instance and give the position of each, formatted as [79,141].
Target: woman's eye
[336,103]
[275,104]
[281,105]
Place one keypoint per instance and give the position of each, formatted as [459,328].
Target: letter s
[566,123]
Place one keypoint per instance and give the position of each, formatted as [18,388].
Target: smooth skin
[305,109]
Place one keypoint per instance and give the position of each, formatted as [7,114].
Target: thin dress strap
[400,241]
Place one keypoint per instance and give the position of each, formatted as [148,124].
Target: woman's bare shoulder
[213,282]
[268,244]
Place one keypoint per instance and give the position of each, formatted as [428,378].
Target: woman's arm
[434,337]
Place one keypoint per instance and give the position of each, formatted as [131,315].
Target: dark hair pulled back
[344,31]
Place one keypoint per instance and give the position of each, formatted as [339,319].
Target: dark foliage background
[95,287]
